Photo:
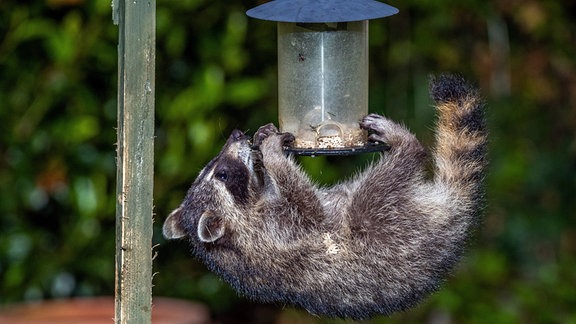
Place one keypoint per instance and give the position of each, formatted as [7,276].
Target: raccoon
[373,245]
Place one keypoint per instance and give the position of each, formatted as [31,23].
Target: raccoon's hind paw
[380,128]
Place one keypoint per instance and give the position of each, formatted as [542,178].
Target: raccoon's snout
[238,135]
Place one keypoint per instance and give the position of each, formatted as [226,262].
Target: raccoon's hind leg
[405,152]
[386,189]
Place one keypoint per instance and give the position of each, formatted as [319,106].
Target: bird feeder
[323,70]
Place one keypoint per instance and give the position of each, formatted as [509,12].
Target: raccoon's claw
[383,130]
[287,139]
[269,130]
[262,133]
[377,126]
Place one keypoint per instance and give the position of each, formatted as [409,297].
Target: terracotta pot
[100,310]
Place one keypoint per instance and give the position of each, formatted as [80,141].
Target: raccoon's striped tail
[461,140]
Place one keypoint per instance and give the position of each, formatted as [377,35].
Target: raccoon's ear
[210,227]
[172,229]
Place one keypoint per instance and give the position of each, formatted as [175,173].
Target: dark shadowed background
[216,71]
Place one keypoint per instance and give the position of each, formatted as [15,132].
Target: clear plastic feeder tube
[323,82]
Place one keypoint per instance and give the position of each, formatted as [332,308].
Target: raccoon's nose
[237,135]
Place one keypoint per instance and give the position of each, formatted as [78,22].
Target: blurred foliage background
[216,71]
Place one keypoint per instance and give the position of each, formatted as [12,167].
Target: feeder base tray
[368,148]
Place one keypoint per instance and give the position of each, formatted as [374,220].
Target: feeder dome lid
[321,11]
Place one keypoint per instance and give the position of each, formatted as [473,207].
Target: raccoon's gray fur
[376,244]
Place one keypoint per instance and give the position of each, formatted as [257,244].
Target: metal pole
[135,158]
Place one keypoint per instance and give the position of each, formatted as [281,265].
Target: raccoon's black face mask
[231,179]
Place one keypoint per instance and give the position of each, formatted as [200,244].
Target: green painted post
[135,159]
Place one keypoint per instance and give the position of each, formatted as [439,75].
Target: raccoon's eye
[222,175]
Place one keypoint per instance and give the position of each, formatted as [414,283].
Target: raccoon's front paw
[263,133]
[269,133]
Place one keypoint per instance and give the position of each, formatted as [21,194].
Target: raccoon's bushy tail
[461,140]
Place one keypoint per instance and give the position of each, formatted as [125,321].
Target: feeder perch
[323,71]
